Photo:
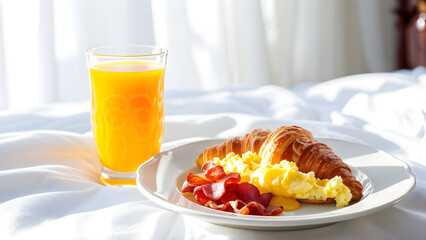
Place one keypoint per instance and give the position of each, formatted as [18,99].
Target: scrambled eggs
[285,181]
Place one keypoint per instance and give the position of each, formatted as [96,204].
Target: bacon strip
[252,208]
[221,191]
[192,181]
[213,172]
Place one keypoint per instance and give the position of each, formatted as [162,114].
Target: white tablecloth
[49,170]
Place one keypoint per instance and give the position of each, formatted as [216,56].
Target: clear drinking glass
[127,86]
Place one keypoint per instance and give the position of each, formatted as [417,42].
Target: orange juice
[127,112]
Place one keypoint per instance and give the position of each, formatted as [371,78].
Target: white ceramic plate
[386,181]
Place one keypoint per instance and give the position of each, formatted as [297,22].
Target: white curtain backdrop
[212,43]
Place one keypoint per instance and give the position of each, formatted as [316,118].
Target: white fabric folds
[49,170]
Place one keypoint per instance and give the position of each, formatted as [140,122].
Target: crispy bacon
[192,181]
[252,208]
[249,193]
[212,171]
[221,191]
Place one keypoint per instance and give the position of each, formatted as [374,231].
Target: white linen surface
[49,170]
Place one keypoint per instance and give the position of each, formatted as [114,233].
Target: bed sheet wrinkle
[78,123]
[267,101]
[49,147]
[43,179]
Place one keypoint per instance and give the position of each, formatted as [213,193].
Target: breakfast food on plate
[285,181]
[294,144]
[223,191]
[287,163]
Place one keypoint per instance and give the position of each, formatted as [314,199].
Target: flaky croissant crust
[291,143]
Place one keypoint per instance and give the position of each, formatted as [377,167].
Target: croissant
[291,143]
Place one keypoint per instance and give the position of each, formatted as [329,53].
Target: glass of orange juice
[127,86]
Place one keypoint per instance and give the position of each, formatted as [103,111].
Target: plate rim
[279,221]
